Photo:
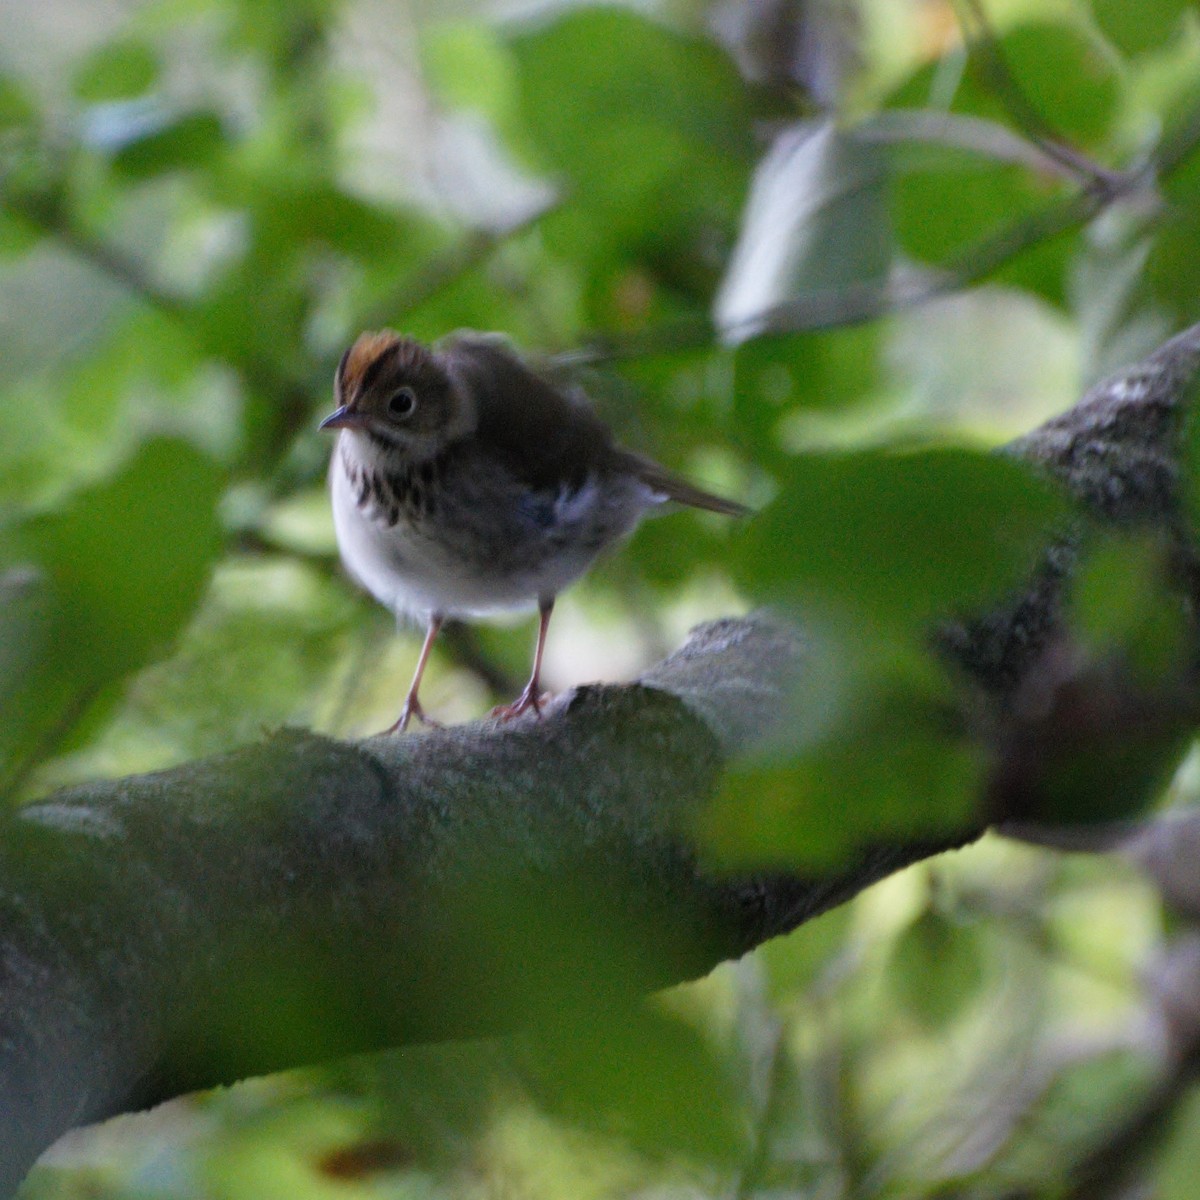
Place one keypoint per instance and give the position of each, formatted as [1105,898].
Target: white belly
[414,572]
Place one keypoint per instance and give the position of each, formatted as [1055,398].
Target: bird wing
[548,439]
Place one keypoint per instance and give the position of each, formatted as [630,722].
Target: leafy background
[818,255]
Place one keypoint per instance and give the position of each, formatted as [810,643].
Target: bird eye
[402,402]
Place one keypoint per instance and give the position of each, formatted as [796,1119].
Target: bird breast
[461,536]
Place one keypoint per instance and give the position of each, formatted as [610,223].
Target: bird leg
[412,706]
[531,697]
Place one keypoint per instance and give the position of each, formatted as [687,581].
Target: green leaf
[642,1074]
[1122,605]
[101,586]
[1117,773]
[935,969]
[1136,28]
[189,142]
[1165,245]
[796,961]
[815,226]
[290,212]
[16,106]
[647,108]
[1174,1173]
[942,212]
[872,760]
[899,538]
[1062,69]
[833,369]
[17,236]
[469,66]
[117,71]
[1068,76]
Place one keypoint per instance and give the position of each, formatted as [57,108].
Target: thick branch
[306,899]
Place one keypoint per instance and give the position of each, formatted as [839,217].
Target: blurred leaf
[1067,74]
[815,225]
[1175,1172]
[652,109]
[289,213]
[942,211]
[935,969]
[1108,774]
[1061,68]
[773,375]
[1122,604]
[885,766]
[1085,1096]
[641,1074]
[16,105]
[651,88]
[17,236]
[188,142]
[1165,243]
[1136,28]
[277,32]
[948,199]
[268,647]
[117,71]
[109,580]
[470,67]
[796,961]
[899,537]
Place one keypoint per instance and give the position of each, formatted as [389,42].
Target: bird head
[397,393]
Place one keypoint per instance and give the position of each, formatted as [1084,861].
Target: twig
[977,135]
[125,271]
[853,305]
[981,38]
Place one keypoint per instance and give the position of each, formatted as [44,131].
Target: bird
[465,482]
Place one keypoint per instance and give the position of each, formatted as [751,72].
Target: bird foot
[531,697]
[412,708]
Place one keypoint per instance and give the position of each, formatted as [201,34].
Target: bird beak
[344,418]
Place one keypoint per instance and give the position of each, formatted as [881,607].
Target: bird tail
[673,487]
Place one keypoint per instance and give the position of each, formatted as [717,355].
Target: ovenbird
[465,482]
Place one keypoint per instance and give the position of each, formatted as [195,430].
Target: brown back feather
[547,438]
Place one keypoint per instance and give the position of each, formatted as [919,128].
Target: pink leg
[531,697]
[412,706]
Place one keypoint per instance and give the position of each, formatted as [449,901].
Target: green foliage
[625,1074]
[964,528]
[202,203]
[117,71]
[674,109]
[870,757]
[84,607]
[189,142]
[1133,29]
[936,969]
[1058,67]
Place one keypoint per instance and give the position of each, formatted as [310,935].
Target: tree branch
[306,899]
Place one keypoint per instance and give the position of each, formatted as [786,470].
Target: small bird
[465,483]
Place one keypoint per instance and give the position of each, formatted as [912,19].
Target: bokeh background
[763,234]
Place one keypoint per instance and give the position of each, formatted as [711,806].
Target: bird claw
[412,708]
[529,698]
